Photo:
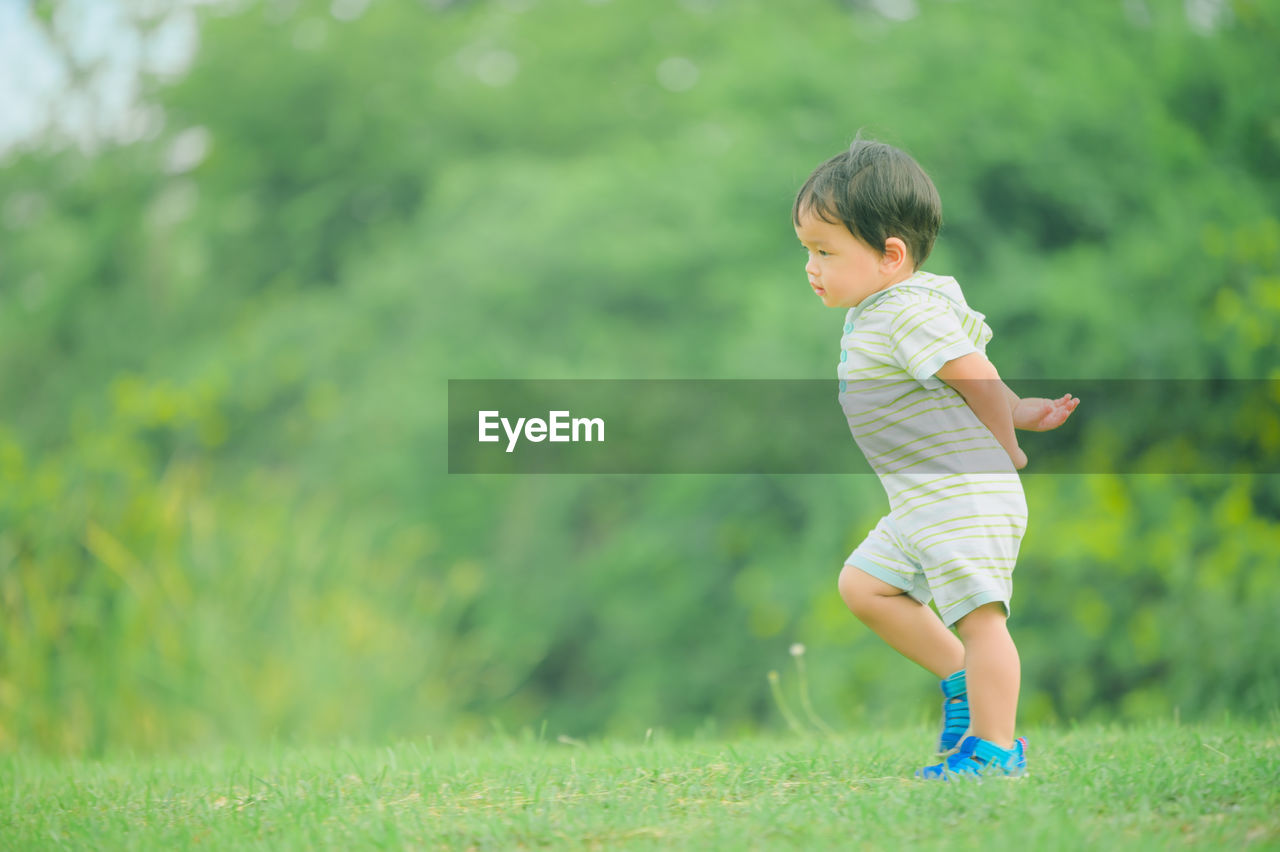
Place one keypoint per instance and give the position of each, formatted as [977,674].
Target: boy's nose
[810,268]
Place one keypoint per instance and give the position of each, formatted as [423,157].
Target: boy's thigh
[881,565]
[959,591]
[856,583]
[975,571]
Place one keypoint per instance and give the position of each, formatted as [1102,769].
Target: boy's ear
[895,254]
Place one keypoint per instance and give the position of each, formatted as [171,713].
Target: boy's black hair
[877,192]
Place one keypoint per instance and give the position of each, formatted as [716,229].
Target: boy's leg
[993,673]
[910,627]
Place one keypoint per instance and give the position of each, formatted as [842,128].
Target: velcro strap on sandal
[989,752]
[954,686]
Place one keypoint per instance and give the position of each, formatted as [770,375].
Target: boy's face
[842,269]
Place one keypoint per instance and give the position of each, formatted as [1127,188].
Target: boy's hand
[1018,457]
[1035,414]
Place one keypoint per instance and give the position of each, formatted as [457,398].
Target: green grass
[1153,787]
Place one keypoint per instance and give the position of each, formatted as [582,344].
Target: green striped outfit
[956,507]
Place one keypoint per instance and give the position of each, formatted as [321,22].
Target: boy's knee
[847,584]
[991,616]
[861,592]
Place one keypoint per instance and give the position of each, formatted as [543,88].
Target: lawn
[1148,787]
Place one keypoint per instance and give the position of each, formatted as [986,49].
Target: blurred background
[244,245]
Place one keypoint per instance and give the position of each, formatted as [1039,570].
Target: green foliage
[224,511]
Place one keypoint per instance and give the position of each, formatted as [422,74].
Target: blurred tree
[224,512]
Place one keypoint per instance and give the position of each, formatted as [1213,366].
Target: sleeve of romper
[927,333]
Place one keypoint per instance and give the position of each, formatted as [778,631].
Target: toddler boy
[936,424]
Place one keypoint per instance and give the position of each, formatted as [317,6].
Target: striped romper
[956,507]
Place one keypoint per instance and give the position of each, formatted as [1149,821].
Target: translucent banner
[809,426]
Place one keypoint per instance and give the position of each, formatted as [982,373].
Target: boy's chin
[831,300]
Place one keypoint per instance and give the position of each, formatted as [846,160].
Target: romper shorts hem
[892,578]
[952,615]
[963,608]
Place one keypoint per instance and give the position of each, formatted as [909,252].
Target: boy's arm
[978,382]
[990,398]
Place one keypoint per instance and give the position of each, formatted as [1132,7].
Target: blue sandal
[955,713]
[978,758]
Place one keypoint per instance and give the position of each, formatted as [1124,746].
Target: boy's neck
[896,280]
